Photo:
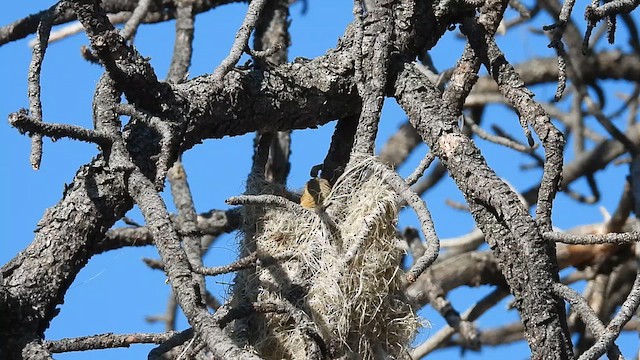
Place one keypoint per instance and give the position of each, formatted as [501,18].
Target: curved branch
[133,73]
[164,12]
[509,229]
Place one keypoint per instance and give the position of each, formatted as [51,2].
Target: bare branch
[614,328]
[240,42]
[341,144]
[127,67]
[132,24]
[412,237]
[271,40]
[106,341]
[183,46]
[76,27]
[592,239]
[463,243]
[267,200]
[530,112]
[587,314]
[400,145]
[187,218]
[426,222]
[436,124]
[593,14]
[35,105]
[274,297]
[470,315]
[608,125]
[420,169]
[435,175]
[170,343]
[254,259]
[374,40]
[121,9]
[498,139]
[25,123]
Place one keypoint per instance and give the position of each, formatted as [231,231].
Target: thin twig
[456,205]
[614,328]
[621,238]
[499,139]
[246,262]
[76,27]
[597,13]
[474,312]
[154,264]
[268,200]
[122,237]
[33,78]
[631,99]
[424,216]
[623,210]
[412,237]
[240,42]
[436,174]
[175,340]
[465,328]
[557,30]
[400,145]
[420,169]
[593,186]
[263,53]
[468,241]
[171,313]
[520,8]
[609,126]
[132,24]
[106,341]
[588,316]
[25,123]
[166,129]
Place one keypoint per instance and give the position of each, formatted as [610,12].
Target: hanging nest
[341,291]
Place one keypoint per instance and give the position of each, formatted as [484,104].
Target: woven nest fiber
[341,291]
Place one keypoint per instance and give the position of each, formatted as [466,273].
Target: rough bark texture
[346,238]
[527,264]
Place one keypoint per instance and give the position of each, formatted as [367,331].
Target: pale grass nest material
[345,275]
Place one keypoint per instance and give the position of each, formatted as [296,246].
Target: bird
[315,193]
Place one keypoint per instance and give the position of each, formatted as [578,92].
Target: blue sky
[115,291]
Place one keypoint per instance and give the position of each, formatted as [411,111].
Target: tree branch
[517,242]
[106,341]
